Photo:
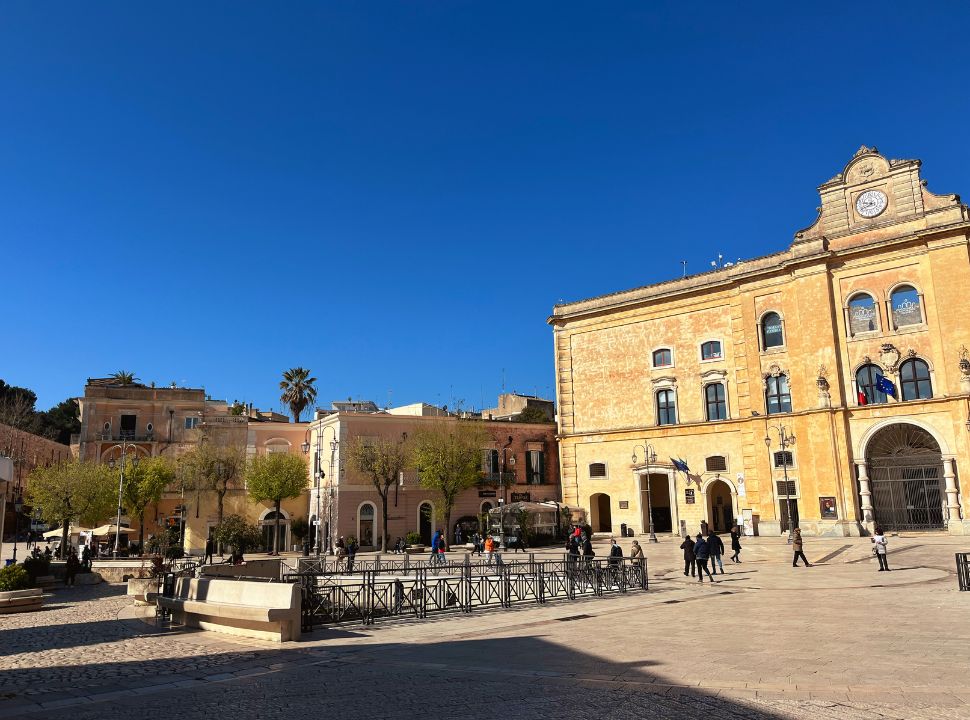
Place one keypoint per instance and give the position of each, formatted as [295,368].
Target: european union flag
[886,386]
[680,465]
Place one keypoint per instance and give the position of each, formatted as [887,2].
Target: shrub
[37,566]
[300,528]
[412,538]
[14,577]
[238,534]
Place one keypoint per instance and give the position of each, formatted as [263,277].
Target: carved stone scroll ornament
[964,369]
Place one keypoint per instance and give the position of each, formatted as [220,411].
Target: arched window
[715,401]
[905,303]
[867,383]
[777,395]
[772,334]
[666,408]
[711,350]
[915,377]
[597,470]
[863,316]
[663,357]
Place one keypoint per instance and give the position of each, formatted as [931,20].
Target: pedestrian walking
[86,558]
[341,552]
[588,552]
[736,544]
[519,545]
[489,549]
[572,550]
[702,552]
[879,545]
[209,547]
[457,534]
[690,562]
[716,547]
[637,558]
[71,567]
[797,545]
[352,548]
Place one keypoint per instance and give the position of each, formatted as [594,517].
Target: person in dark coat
[572,548]
[689,560]
[71,567]
[588,550]
[702,552]
[207,558]
[798,545]
[716,547]
[736,544]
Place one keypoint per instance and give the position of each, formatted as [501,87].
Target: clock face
[870,203]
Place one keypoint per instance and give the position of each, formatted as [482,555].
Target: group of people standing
[708,547]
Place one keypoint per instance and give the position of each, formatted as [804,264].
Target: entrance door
[601,517]
[424,520]
[906,478]
[659,503]
[720,509]
[783,503]
[128,427]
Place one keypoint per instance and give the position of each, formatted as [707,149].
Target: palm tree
[298,390]
[123,377]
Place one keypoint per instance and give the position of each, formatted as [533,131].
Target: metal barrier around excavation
[420,591]
[963,570]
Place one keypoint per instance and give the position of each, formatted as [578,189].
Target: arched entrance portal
[906,478]
[600,515]
[425,513]
[659,505]
[720,509]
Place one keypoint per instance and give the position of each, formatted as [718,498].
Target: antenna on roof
[684,264]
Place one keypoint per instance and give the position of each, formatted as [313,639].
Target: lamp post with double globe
[785,440]
[649,457]
[121,487]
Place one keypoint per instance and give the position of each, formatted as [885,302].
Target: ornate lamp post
[121,486]
[318,475]
[649,457]
[785,441]
[18,506]
[506,461]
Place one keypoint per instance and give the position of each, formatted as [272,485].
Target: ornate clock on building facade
[871,203]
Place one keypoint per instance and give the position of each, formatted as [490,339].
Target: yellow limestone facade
[704,368]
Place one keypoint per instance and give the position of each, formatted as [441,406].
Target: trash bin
[622,529]
[629,532]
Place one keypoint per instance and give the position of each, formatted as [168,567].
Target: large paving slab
[837,640]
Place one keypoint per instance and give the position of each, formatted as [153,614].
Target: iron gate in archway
[906,479]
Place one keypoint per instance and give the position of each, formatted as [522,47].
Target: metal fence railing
[963,570]
[419,591]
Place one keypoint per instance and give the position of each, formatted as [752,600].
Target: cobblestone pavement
[835,641]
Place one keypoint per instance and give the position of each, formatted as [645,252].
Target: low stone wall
[13,601]
[269,569]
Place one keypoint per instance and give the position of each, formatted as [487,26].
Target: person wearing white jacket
[880,544]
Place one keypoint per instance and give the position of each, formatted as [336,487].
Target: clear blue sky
[394,195]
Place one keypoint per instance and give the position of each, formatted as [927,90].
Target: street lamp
[649,457]
[18,506]
[121,486]
[785,440]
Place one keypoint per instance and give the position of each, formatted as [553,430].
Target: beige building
[520,463]
[806,340]
[510,405]
[149,421]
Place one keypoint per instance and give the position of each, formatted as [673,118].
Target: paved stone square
[837,640]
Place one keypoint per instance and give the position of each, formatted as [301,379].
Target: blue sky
[395,194]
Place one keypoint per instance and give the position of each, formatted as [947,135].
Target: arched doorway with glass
[905,469]
[269,527]
[365,525]
[426,521]
[721,515]
[600,514]
[657,484]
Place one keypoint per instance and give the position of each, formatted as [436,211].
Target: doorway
[783,514]
[425,515]
[601,517]
[659,505]
[720,506]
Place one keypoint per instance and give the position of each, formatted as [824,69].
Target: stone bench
[263,610]
[13,601]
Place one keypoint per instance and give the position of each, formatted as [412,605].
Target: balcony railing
[129,436]
[498,478]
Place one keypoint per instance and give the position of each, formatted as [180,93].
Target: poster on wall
[742,492]
[827,508]
[689,496]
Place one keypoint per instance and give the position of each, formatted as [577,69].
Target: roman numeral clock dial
[870,203]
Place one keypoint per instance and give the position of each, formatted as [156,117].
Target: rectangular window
[192,422]
[784,458]
[128,423]
[535,467]
[716,401]
[777,395]
[786,489]
[716,463]
[666,408]
[597,470]
[662,358]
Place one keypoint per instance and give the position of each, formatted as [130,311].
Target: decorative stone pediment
[889,357]
[667,381]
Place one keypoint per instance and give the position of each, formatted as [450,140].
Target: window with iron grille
[783,458]
[716,463]
[597,470]
[786,488]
